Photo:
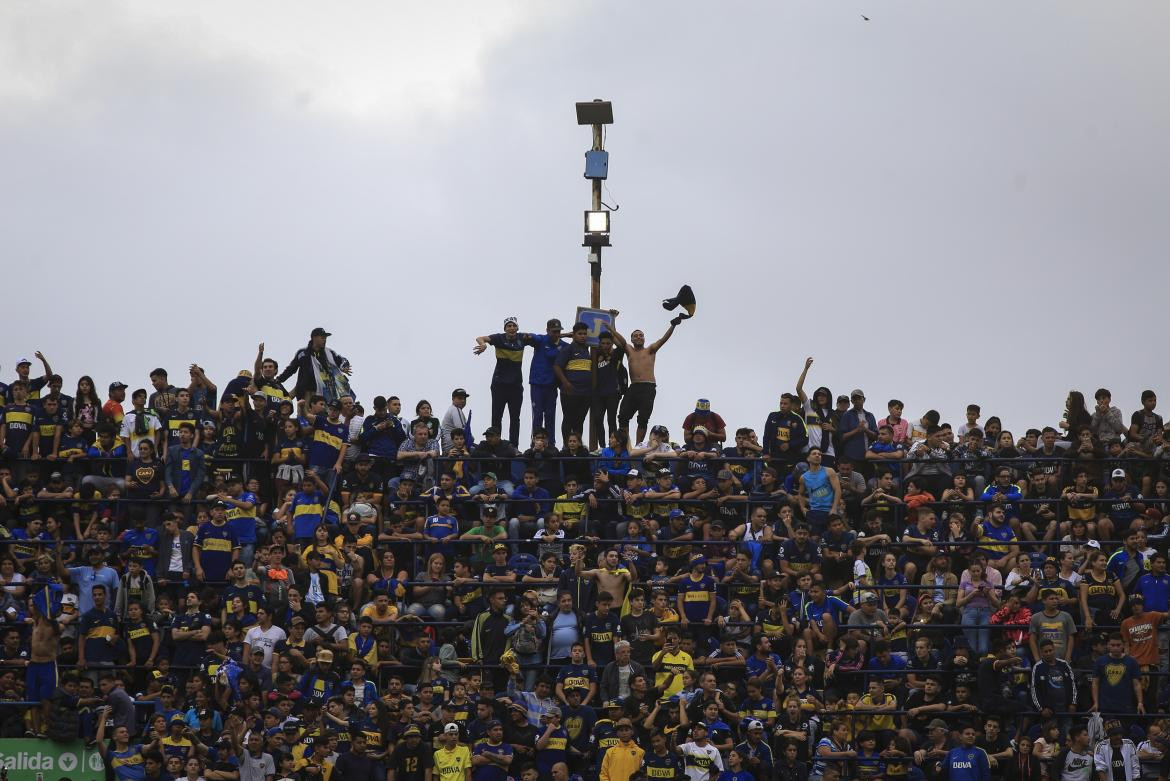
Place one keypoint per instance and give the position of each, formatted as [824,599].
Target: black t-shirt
[607,372]
[917,699]
[411,764]
[997,746]
[636,630]
[1116,763]
[602,631]
[522,735]
[801,724]
[148,477]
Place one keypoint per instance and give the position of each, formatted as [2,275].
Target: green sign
[32,759]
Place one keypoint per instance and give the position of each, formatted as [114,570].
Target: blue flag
[47,599]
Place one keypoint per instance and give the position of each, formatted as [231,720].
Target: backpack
[524,640]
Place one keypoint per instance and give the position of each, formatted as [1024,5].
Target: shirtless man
[639,398]
[612,578]
[41,673]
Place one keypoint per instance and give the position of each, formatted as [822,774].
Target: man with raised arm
[639,398]
[613,578]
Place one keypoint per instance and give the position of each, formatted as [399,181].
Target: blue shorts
[40,681]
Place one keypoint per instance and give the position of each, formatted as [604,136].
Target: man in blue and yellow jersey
[50,424]
[175,418]
[329,443]
[452,758]
[264,378]
[241,516]
[574,373]
[97,631]
[17,423]
[997,539]
[216,547]
[33,385]
[508,376]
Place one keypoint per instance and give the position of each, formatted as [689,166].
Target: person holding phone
[977,599]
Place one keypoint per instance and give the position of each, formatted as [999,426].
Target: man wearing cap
[542,380]
[624,758]
[34,384]
[177,742]
[112,410]
[411,760]
[552,743]
[454,419]
[701,456]
[319,369]
[1121,504]
[491,757]
[756,753]
[703,761]
[519,733]
[494,456]
[507,377]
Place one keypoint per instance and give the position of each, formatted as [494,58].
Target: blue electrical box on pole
[596,164]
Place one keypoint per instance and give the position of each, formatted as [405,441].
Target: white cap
[753,724]
[1118,474]
[451,729]
[1094,544]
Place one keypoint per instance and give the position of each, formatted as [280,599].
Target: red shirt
[112,410]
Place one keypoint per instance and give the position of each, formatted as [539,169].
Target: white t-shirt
[663,447]
[153,424]
[703,763]
[258,638]
[256,769]
[176,562]
[16,583]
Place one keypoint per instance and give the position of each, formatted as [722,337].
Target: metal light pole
[597,113]
[595,252]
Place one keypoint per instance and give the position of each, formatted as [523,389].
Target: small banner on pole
[598,320]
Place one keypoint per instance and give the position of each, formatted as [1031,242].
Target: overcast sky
[947,203]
